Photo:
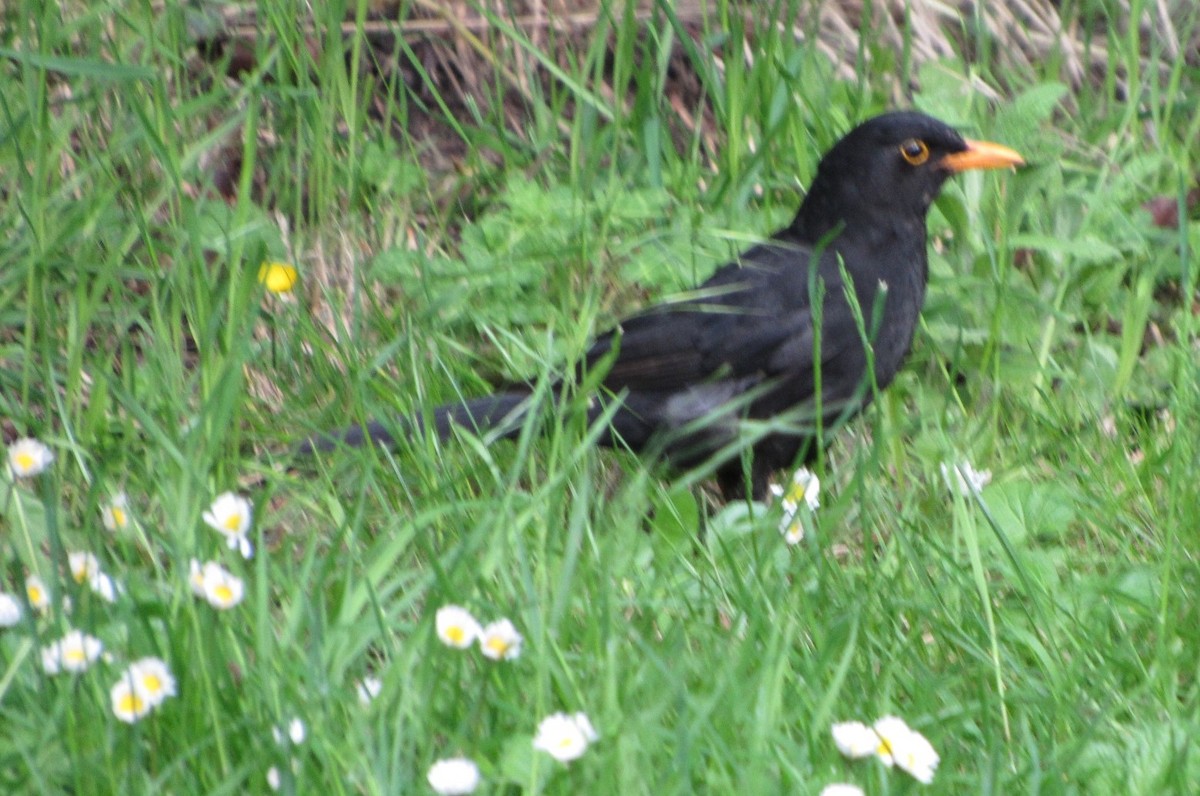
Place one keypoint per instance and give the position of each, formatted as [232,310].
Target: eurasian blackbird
[798,333]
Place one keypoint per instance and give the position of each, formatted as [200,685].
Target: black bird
[777,336]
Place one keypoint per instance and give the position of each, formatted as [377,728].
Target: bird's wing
[753,317]
[675,350]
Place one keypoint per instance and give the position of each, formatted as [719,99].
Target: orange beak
[982,155]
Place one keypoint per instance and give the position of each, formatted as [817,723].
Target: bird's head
[892,167]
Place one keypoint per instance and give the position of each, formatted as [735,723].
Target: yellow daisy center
[75,654]
[497,645]
[130,703]
[24,461]
[456,634]
[35,595]
[233,522]
[224,593]
[152,683]
[118,516]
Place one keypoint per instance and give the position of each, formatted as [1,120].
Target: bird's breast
[893,280]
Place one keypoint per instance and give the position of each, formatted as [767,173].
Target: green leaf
[1027,512]
[79,67]
[1084,248]
[1036,104]
[517,763]
[676,515]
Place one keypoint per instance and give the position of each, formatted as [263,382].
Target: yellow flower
[278,277]
[28,457]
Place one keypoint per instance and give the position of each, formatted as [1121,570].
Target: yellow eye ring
[914,151]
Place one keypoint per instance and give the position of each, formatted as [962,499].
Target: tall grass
[1041,633]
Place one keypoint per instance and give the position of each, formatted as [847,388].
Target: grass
[1042,634]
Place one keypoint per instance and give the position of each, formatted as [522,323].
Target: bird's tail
[502,412]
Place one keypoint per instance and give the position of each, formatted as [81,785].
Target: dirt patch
[448,61]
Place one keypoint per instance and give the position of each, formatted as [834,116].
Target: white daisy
[231,515]
[28,457]
[74,653]
[296,733]
[854,739]
[115,513]
[453,777]
[908,749]
[564,737]
[221,588]
[966,478]
[367,689]
[196,576]
[500,640]
[83,566]
[805,487]
[841,789]
[10,610]
[456,627]
[105,586]
[153,679]
[37,593]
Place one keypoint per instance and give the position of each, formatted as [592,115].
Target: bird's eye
[915,151]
